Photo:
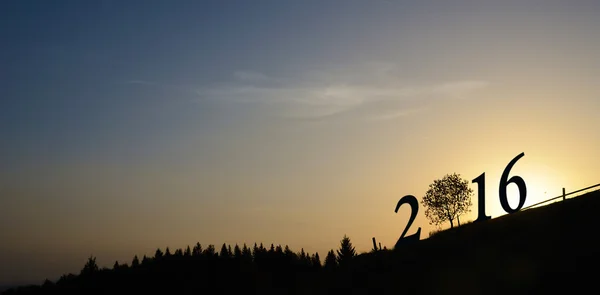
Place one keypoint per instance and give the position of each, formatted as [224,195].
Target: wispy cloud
[371,91]
[393,114]
[460,89]
[318,94]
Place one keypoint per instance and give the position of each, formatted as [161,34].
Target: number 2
[414,206]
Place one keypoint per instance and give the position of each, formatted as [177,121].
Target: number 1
[480,180]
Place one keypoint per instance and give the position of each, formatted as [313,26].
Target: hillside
[550,248]
[540,249]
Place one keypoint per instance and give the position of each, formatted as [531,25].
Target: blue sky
[132,125]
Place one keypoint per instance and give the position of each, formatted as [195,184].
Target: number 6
[516,180]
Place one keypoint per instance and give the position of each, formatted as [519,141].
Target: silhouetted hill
[6,287]
[537,250]
[548,249]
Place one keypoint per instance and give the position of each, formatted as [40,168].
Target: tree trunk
[451,223]
[458,219]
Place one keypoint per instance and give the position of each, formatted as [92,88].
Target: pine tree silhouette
[316,260]
[178,252]
[303,258]
[145,260]
[237,252]
[289,254]
[246,254]
[346,252]
[257,256]
[135,262]
[210,251]
[224,253]
[197,251]
[330,260]
[90,266]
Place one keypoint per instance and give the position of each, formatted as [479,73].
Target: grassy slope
[542,249]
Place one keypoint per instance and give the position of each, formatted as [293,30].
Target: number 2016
[480,180]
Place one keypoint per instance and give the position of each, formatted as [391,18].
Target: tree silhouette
[135,262]
[303,258]
[197,251]
[262,256]
[258,255]
[210,251]
[346,252]
[145,260]
[47,284]
[290,256]
[316,260]
[330,260]
[237,252]
[90,266]
[447,199]
[279,251]
[178,252]
[246,254]
[224,253]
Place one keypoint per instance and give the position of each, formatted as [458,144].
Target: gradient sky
[131,125]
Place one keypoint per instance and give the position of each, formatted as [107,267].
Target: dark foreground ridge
[544,250]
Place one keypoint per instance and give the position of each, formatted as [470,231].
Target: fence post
[564,194]
[374,244]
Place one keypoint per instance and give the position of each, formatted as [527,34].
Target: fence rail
[563,196]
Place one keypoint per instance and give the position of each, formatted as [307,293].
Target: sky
[127,126]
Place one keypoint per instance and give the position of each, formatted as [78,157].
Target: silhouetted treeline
[198,269]
[545,250]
